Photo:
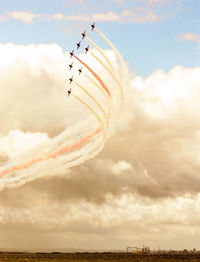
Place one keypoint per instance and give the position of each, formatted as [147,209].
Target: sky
[155,31]
[141,185]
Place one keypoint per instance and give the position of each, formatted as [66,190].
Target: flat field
[96,257]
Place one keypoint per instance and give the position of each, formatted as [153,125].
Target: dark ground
[96,257]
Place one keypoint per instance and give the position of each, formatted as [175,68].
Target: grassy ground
[97,257]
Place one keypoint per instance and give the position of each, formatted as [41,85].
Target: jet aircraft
[78,44]
[93,26]
[71,79]
[70,66]
[83,35]
[87,49]
[80,70]
[71,53]
[69,92]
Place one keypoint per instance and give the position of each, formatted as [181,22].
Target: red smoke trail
[54,155]
[95,75]
[76,145]
[66,149]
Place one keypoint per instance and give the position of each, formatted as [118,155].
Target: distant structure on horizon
[146,250]
[143,249]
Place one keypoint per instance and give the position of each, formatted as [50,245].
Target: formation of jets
[72,54]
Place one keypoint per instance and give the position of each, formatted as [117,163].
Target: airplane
[80,70]
[71,79]
[83,35]
[93,26]
[71,53]
[78,44]
[69,92]
[70,66]
[87,49]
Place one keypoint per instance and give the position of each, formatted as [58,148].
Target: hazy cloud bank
[149,167]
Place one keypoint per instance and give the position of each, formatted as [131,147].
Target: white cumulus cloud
[143,185]
[138,15]
[190,36]
[24,16]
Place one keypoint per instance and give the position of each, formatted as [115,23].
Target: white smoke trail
[98,105]
[71,147]
[99,88]
[123,65]
[102,54]
[53,165]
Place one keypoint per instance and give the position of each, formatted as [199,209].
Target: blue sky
[150,34]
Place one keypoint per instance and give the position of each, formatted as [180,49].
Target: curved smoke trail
[81,141]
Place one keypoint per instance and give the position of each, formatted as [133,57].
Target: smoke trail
[79,150]
[52,155]
[96,102]
[115,79]
[119,57]
[99,87]
[93,111]
[102,53]
[76,143]
[108,98]
[112,46]
[95,75]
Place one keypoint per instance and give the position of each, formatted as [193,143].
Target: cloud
[24,16]
[138,15]
[155,152]
[154,2]
[60,16]
[120,166]
[149,2]
[173,224]
[2,18]
[109,16]
[81,2]
[36,78]
[150,166]
[190,36]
